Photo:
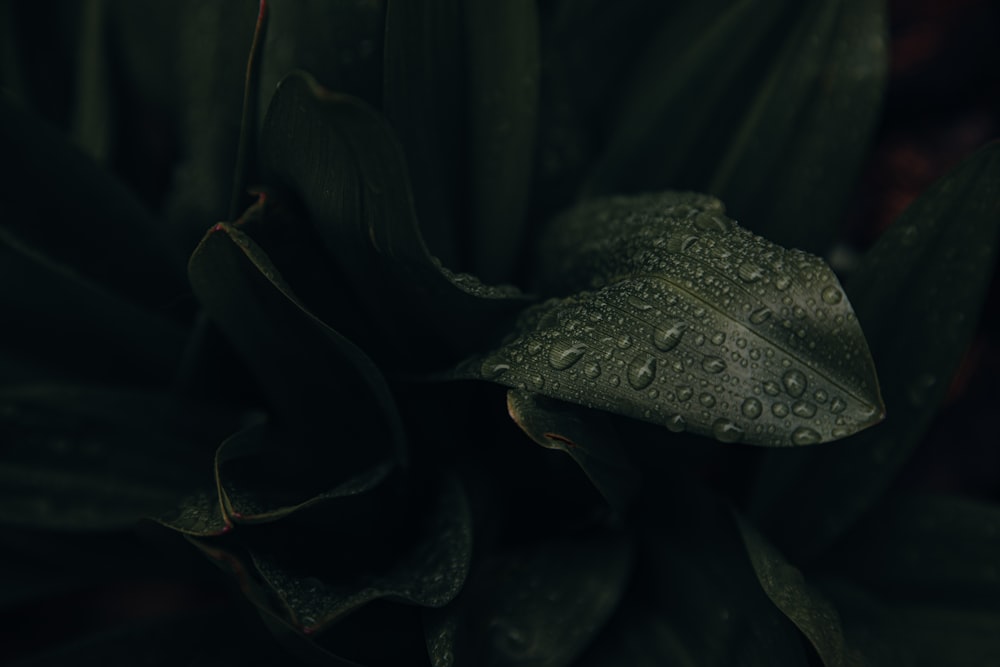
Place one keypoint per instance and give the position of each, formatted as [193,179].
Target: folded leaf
[918,293]
[690,322]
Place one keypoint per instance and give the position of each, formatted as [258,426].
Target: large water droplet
[795,383]
[760,315]
[713,365]
[641,371]
[706,399]
[725,430]
[803,409]
[684,393]
[493,368]
[749,272]
[752,408]
[831,295]
[668,337]
[805,436]
[564,354]
[592,370]
[837,405]
[779,409]
[676,423]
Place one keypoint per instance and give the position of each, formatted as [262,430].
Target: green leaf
[503,57]
[423,96]
[264,476]
[791,166]
[100,464]
[690,322]
[918,293]
[304,366]
[685,97]
[926,549]
[76,327]
[340,158]
[428,571]
[535,605]
[803,604]
[586,436]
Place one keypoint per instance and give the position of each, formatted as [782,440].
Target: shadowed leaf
[688,321]
[918,293]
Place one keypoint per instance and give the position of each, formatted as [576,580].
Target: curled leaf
[688,321]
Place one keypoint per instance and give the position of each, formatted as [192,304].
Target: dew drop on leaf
[795,383]
[805,436]
[713,365]
[707,400]
[725,430]
[760,315]
[676,423]
[564,354]
[803,409]
[779,410]
[752,408]
[837,405]
[592,370]
[666,338]
[749,272]
[641,371]
[771,388]
[831,295]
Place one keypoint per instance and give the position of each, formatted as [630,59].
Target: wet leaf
[918,294]
[423,98]
[688,321]
[802,603]
[340,158]
[926,549]
[429,571]
[790,168]
[92,466]
[503,56]
[536,605]
[303,365]
[586,436]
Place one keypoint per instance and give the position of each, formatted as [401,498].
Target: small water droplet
[841,431]
[837,405]
[684,393]
[752,408]
[534,347]
[706,399]
[614,381]
[805,436]
[666,338]
[820,396]
[624,341]
[638,303]
[699,340]
[641,371]
[676,423]
[564,354]
[725,430]
[771,388]
[592,370]
[803,409]
[760,315]
[713,365]
[779,409]
[718,338]
[537,382]
[653,393]
[782,282]
[798,312]
[831,295]
[795,383]
[749,272]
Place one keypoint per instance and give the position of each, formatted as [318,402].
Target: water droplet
[798,312]
[795,383]
[638,303]
[752,408]
[699,340]
[492,368]
[760,315]
[676,423]
[713,365]
[592,370]
[707,400]
[653,393]
[837,405]
[537,382]
[831,295]
[803,409]
[805,436]
[718,338]
[624,341]
[564,354]
[749,272]
[708,222]
[779,409]
[684,393]
[614,381]
[725,430]
[534,347]
[668,337]
[641,371]
[841,431]
[820,396]
[771,388]
[782,282]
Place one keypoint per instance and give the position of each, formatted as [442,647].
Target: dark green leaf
[340,157]
[790,168]
[304,366]
[503,56]
[423,100]
[918,293]
[804,605]
[684,100]
[585,435]
[539,605]
[429,571]
[99,464]
[927,549]
[691,322]
[639,639]
[93,122]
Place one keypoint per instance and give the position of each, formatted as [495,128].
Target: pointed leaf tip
[689,321]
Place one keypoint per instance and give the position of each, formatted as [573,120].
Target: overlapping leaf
[918,293]
[688,321]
